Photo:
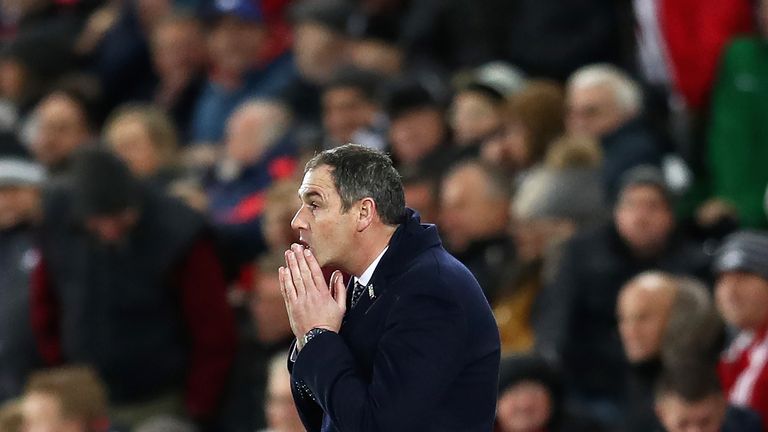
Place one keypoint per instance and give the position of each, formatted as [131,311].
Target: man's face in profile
[322,224]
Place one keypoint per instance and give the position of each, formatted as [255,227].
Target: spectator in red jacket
[742,298]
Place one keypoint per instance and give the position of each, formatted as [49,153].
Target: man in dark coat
[413,345]
[20,182]
[129,283]
[576,322]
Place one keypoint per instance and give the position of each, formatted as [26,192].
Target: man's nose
[297,223]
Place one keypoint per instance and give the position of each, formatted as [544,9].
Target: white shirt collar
[368,273]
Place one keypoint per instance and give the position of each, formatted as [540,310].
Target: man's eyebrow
[310,194]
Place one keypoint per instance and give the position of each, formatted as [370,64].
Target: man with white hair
[258,150]
[604,103]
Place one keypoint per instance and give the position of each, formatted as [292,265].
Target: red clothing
[743,371]
[696,32]
[209,320]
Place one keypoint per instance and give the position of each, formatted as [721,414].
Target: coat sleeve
[554,307]
[309,411]
[418,357]
[44,313]
[211,326]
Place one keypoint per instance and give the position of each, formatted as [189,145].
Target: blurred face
[281,410]
[644,219]
[18,204]
[42,413]
[61,129]
[525,407]
[244,135]
[268,310]
[678,415]
[130,140]
[379,57]
[468,210]
[473,117]
[415,134]
[319,51]
[742,299]
[533,237]
[421,197]
[509,148]
[12,79]
[277,226]
[234,45]
[112,229]
[345,111]
[320,222]
[593,111]
[177,49]
[643,315]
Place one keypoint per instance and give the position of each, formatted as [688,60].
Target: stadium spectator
[258,150]
[742,299]
[177,46]
[552,203]
[64,121]
[145,139]
[281,411]
[534,118]
[351,111]
[576,321]
[604,103]
[264,332]
[71,399]
[418,134]
[129,283]
[689,397]
[664,321]
[531,399]
[236,38]
[21,180]
[474,221]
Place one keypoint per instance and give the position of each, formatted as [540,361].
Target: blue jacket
[422,355]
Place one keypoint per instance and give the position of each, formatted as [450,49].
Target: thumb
[339,290]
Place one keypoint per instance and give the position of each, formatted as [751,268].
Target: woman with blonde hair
[145,138]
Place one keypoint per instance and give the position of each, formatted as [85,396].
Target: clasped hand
[308,298]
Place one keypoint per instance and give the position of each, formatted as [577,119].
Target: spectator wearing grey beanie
[741,294]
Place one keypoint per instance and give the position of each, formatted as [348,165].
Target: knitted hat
[573,193]
[498,79]
[646,175]
[16,165]
[102,183]
[744,251]
[533,368]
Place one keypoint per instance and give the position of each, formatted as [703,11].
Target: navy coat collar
[410,239]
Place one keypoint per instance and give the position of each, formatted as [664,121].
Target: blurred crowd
[599,165]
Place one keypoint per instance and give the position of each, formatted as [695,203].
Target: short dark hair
[365,82]
[359,172]
[691,381]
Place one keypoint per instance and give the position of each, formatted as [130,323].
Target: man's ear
[366,213]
